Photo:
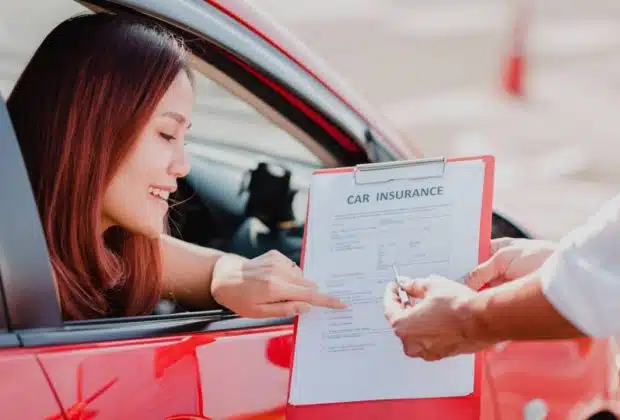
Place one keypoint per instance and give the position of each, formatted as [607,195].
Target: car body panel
[25,392]
[150,378]
[176,376]
[575,378]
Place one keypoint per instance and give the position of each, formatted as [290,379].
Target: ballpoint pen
[402,294]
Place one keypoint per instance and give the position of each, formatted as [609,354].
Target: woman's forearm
[516,310]
[189,270]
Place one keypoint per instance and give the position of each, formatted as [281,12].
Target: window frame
[232,49]
[24,265]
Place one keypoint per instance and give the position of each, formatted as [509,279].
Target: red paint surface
[24,391]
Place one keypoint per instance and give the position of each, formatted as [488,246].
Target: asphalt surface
[434,69]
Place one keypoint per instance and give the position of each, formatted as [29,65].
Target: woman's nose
[180,165]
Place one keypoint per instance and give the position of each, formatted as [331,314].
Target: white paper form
[355,233]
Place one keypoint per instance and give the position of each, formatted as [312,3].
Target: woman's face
[137,197]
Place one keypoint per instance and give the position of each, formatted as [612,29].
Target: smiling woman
[157,160]
[102,137]
[90,113]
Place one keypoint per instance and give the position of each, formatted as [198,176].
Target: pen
[402,294]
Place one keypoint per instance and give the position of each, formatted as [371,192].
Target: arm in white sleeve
[582,279]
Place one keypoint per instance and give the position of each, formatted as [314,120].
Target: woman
[101,112]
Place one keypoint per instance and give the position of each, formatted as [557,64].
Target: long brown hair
[78,109]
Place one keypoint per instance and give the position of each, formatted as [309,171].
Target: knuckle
[269,258]
[271,284]
[429,357]
[289,309]
[268,286]
[299,308]
[272,278]
[398,327]
[275,255]
[412,350]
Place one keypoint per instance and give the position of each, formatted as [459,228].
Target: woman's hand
[511,258]
[270,285]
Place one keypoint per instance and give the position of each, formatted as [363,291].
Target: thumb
[484,273]
[416,288]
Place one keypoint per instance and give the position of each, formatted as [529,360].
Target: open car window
[232,128]
[244,117]
[226,122]
[229,143]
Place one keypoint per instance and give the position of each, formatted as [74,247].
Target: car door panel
[571,378]
[149,378]
[243,375]
[221,374]
[25,393]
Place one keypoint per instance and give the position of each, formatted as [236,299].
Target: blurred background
[435,69]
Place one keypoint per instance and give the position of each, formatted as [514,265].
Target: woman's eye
[167,137]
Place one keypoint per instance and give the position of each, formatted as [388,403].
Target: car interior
[252,157]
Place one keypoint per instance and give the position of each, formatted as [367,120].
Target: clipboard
[468,407]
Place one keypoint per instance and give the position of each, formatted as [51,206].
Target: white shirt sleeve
[582,279]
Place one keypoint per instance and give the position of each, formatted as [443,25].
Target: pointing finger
[283,309]
[298,278]
[294,292]
[325,301]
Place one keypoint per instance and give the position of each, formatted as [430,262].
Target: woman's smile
[161,196]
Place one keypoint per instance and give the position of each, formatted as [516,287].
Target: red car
[268,114]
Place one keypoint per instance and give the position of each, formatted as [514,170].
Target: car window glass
[223,119]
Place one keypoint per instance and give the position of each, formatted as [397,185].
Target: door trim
[25,269]
[144,328]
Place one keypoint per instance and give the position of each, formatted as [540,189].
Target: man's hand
[270,285]
[510,259]
[432,328]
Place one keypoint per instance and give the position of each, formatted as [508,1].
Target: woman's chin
[156,230]
[151,230]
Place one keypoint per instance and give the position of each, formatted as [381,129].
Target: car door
[25,391]
[208,364]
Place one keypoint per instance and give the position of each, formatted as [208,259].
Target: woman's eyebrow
[177,117]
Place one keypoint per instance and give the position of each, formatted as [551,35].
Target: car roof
[250,14]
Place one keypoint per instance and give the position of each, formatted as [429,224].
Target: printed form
[355,233]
